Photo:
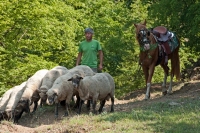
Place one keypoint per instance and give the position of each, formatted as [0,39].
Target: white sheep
[48,81]
[5,98]
[101,87]
[30,94]
[87,70]
[15,96]
[62,89]
[4,101]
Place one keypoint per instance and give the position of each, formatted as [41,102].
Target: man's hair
[89,30]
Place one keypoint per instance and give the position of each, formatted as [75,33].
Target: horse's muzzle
[146,46]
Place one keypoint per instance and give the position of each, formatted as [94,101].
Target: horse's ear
[135,25]
[148,33]
[138,35]
[144,23]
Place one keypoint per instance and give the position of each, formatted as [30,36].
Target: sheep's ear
[81,77]
[69,79]
[55,94]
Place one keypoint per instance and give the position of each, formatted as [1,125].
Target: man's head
[88,34]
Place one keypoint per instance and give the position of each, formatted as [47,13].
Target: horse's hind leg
[166,70]
[164,91]
[169,91]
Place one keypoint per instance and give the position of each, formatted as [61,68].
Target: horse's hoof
[169,93]
[147,97]
[164,93]
[56,117]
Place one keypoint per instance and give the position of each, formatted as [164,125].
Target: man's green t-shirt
[89,52]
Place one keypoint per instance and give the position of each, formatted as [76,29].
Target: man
[88,50]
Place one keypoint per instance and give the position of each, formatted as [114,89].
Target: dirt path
[45,117]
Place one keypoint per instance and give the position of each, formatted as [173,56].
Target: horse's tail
[175,62]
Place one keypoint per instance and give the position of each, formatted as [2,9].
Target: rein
[152,47]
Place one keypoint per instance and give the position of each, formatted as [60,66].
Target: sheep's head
[51,98]
[42,93]
[75,80]
[43,96]
[22,106]
[3,115]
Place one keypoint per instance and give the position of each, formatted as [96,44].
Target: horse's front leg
[150,75]
[164,81]
[146,74]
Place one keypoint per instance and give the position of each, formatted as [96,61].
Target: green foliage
[40,34]
[179,16]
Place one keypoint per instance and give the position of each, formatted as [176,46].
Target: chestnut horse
[149,58]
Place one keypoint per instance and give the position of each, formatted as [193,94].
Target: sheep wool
[15,97]
[97,86]
[87,70]
[51,76]
[33,83]
[63,88]
[100,86]
[5,99]
[112,83]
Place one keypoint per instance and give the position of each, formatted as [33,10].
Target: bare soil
[43,119]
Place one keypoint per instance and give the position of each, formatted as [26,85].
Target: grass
[156,118]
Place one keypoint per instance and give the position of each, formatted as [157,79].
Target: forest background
[41,34]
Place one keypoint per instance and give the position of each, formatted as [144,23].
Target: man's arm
[100,60]
[78,60]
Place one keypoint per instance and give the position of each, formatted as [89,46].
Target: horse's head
[142,35]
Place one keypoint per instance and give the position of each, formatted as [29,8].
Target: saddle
[163,36]
[160,30]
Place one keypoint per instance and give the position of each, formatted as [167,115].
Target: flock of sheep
[56,85]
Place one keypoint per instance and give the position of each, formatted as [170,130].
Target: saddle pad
[173,43]
[170,45]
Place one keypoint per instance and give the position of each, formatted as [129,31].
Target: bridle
[145,43]
[142,36]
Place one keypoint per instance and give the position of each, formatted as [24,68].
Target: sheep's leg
[80,106]
[67,111]
[102,105]
[35,106]
[88,104]
[1,116]
[112,104]
[56,111]
[94,106]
